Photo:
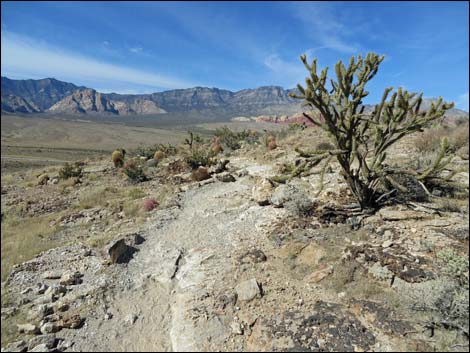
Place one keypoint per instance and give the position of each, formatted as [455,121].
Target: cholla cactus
[361,139]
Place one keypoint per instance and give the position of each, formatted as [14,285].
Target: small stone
[247,290]
[226,178]
[75,321]
[387,244]
[42,288]
[388,234]
[318,275]
[70,278]
[131,319]
[108,316]
[56,290]
[236,328]
[28,329]
[49,327]
[51,275]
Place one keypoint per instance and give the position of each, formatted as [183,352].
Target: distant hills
[57,97]
[51,95]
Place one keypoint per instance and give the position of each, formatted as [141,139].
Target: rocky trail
[188,254]
[235,266]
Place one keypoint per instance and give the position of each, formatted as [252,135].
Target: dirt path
[187,256]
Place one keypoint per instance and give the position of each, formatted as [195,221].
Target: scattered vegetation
[232,139]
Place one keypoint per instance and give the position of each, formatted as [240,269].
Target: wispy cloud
[136,50]
[462,102]
[27,57]
[321,22]
[290,72]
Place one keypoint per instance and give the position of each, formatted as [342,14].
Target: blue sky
[132,47]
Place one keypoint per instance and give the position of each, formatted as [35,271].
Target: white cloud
[26,57]
[320,21]
[462,102]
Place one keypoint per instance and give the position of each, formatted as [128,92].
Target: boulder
[119,252]
[292,199]
[151,163]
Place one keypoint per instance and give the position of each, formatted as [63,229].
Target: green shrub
[200,157]
[134,170]
[68,171]
[232,139]
[455,266]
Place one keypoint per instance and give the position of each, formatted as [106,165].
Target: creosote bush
[68,171]
[134,170]
[361,139]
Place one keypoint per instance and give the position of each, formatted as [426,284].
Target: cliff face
[12,103]
[41,94]
[91,101]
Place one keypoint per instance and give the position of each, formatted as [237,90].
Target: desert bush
[68,171]
[293,127]
[200,157]
[325,146]
[192,139]
[118,158]
[134,170]
[362,139]
[150,151]
[455,266]
[430,140]
[232,139]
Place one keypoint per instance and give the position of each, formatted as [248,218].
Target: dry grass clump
[23,238]
[429,140]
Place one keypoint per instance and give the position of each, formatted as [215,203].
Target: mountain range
[57,97]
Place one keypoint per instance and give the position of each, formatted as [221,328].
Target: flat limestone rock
[248,290]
